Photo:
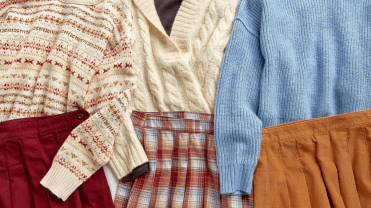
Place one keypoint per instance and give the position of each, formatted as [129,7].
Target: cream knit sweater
[180,72]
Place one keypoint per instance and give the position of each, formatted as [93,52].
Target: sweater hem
[60,181]
[138,171]
[236,179]
[127,157]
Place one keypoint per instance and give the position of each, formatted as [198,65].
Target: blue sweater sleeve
[237,126]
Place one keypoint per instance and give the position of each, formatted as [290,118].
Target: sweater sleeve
[90,145]
[237,125]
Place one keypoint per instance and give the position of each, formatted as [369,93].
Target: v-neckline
[183,22]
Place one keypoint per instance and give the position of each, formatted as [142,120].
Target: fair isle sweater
[57,57]
[178,72]
[287,61]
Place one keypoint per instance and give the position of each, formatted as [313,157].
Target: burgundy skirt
[27,149]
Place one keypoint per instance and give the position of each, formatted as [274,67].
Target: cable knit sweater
[58,57]
[179,72]
[287,61]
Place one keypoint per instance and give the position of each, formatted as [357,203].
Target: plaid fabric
[181,151]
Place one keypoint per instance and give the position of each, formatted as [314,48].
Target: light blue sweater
[286,61]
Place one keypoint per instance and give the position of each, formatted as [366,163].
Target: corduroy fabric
[287,61]
[323,162]
[27,149]
[181,151]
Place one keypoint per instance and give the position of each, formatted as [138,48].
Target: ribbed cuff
[236,179]
[127,157]
[138,171]
[60,181]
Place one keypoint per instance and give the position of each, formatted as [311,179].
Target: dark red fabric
[27,148]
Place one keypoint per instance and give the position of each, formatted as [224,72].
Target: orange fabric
[317,163]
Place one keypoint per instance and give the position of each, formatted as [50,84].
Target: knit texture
[180,72]
[287,61]
[56,58]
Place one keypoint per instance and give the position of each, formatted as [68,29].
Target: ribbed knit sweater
[180,72]
[287,61]
[58,57]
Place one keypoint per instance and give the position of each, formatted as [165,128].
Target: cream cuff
[60,181]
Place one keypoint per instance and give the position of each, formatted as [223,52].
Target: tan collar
[148,9]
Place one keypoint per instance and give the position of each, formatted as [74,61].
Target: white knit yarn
[215,51]
[177,83]
[152,76]
[179,77]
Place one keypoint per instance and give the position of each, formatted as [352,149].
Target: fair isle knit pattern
[178,72]
[57,57]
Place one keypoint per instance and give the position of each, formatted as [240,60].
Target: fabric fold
[322,162]
[183,173]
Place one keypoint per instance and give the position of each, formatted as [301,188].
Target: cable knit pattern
[181,85]
[202,38]
[57,58]
[177,72]
[219,38]
[192,89]
[171,86]
[152,75]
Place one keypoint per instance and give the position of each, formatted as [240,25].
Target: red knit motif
[56,58]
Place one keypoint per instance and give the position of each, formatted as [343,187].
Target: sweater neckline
[183,22]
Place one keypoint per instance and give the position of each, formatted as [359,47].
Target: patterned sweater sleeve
[90,145]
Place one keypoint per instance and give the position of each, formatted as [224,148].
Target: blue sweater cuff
[236,179]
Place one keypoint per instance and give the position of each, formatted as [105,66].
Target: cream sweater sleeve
[90,145]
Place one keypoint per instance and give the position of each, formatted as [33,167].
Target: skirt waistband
[40,125]
[316,126]
[181,121]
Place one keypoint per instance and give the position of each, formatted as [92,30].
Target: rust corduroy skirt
[317,163]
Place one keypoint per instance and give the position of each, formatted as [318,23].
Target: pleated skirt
[317,163]
[27,149]
[183,170]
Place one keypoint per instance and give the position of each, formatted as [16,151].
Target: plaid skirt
[181,151]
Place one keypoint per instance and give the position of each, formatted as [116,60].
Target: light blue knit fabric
[287,61]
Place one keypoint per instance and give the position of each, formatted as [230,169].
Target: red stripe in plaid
[181,151]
